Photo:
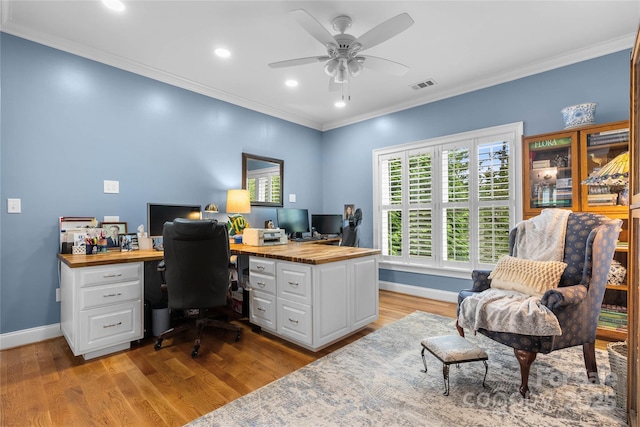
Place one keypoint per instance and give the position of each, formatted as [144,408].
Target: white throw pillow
[526,276]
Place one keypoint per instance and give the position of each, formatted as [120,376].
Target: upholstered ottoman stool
[451,349]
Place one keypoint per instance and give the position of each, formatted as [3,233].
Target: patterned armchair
[589,247]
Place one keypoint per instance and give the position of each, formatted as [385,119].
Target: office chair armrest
[480,279]
[558,298]
[161,267]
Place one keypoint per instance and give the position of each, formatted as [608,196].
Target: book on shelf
[610,137]
[540,164]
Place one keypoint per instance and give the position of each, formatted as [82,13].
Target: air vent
[423,84]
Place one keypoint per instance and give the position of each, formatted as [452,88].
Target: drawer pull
[294,284]
[261,284]
[107,276]
[260,267]
[260,309]
[113,325]
[293,321]
[112,295]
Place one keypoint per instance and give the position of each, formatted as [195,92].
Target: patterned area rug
[377,380]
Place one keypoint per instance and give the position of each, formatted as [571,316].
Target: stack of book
[613,317]
[610,137]
[607,199]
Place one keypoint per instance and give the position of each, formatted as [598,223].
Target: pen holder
[90,249]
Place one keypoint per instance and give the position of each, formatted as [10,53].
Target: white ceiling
[462,45]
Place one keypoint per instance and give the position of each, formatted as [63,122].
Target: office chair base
[200,324]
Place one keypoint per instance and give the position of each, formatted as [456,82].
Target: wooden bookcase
[554,167]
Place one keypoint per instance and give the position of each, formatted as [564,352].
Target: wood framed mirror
[263,177]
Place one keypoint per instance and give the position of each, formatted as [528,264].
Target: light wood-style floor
[43,384]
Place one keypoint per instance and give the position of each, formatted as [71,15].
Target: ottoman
[451,349]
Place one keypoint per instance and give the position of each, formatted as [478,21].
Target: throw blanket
[498,310]
[541,238]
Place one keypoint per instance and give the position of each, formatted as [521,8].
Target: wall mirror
[263,177]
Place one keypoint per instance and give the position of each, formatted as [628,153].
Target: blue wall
[69,123]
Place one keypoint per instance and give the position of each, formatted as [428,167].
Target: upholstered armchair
[589,246]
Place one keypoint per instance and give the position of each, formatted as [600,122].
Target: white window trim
[512,132]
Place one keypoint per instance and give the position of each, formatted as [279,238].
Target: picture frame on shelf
[112,232]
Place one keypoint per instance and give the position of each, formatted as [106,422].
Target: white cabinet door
[331,299]
[365,292]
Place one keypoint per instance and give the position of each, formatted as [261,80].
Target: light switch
[14,206]
[292,198]
[111,187]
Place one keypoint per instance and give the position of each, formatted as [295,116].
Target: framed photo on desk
[112,231]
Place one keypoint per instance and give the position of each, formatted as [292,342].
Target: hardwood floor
[43,384]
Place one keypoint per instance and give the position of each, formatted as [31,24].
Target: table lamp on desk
[238,202]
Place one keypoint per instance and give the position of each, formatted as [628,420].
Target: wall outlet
[111,187]
[57,294]
[292,198]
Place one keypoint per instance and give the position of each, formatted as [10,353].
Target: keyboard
[307,239]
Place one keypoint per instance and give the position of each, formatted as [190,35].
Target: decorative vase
[579,115]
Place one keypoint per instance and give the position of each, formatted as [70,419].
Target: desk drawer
[263,309]
[96,296]
[110,325]
[295,321]
[92,276]
[262,266]
[294,282]
[262,282]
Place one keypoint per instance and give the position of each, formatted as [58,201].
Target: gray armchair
[589,247]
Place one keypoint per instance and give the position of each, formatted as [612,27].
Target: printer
[264,236]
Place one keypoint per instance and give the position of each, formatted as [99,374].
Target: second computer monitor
[294,221]
[327,223]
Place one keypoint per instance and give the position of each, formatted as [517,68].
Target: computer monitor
[327,223]
[294,221]
[158,214]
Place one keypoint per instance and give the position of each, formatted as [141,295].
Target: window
[449,202]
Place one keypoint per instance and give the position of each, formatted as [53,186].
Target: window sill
[460,273]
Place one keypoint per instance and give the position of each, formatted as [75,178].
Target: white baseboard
[29,336]
[417,291]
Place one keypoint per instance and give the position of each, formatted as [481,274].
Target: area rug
[378,381]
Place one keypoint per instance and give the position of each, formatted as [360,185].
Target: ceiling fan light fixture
[331,67]
[355,67]
[291,83]
[222,52]
[340,104]
[341,76]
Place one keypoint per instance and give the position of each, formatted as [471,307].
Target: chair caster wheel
[238,336]
[158,344]
[194,352]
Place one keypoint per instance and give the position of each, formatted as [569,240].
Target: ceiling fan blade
[298,61]
[384,65]
[313,27]
[389,28]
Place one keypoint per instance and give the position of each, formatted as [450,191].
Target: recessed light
[291,83]
[115,5]
[222,52]
[340,104]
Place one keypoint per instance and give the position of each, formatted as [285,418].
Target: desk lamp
[211,208]
[238,202]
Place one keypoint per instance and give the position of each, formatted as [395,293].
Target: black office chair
[196,273]
[351,233]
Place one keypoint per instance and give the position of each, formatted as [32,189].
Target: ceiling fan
[344,58]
